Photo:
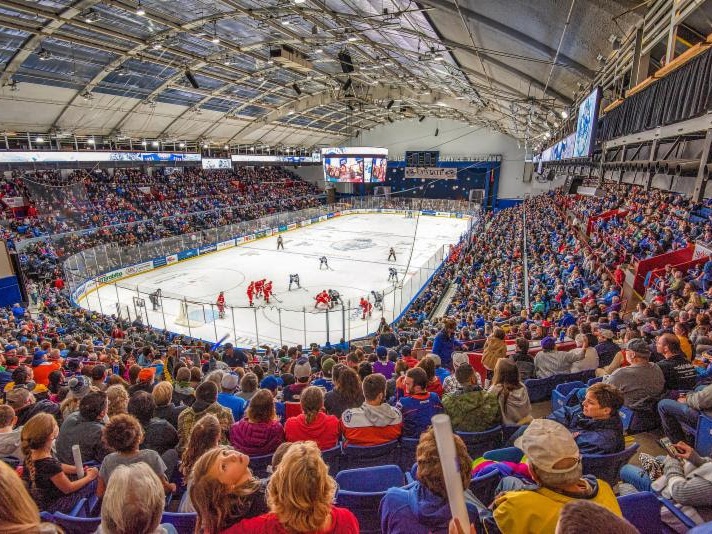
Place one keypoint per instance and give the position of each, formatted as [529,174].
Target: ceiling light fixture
[44,54]
[157,46]
[92,16]
[286,22]
[155,143]
[439,57]
[319,51]
[39,139]
[143,143]
[181,145]
[90,141]
[352,39]
[140,11]
[564,114]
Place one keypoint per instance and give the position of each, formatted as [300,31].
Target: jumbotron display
[355,164]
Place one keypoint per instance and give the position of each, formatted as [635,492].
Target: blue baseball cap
[271,382]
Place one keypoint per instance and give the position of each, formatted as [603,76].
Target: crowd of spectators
[186,418]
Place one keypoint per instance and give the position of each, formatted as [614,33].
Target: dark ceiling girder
[512,34]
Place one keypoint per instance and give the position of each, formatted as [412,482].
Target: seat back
[563,393]
[643,511]
[259,465]
[594,380]
[626,415]
[370,479]
[76,525]
[365,507]
[292,409]
[356,456]
[408,447]
[539,389]
[703,436]
[485,487]
[480,442]
[183,523]
[332,458]
[608,466]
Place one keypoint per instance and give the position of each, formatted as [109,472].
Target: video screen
[344,169]
[586,124]
[378,172]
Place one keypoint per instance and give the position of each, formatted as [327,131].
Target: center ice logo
[354,244]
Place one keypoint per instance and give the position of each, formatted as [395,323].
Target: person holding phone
[683,476]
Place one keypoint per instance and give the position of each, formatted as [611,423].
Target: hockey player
[322,298]
[366,306]
[267,291]
[155,299]
[323,262]
[392,274]
[392,254]
[280,242]
[251,293]
[377,300]
[259,287]
[221,305]
[294,279]
[335,298]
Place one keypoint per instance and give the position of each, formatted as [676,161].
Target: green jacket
[472,410]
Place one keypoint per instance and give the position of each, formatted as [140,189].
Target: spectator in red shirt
[300,496]
[434,385]
[313,424]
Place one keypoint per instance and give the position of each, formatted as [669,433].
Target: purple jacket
[256,439]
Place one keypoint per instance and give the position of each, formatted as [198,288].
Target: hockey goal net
[190,315]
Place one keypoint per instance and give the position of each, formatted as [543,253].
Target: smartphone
[669,447]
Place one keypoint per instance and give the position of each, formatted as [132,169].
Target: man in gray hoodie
[9,437]
[374,422]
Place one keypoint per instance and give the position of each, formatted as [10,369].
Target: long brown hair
[205,435]
[506,374]
[312,401]
[34,435]
[217,505]
[18,511]
[349,385]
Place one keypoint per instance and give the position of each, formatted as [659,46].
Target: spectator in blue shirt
[418,405]
[445,343]
[227,397]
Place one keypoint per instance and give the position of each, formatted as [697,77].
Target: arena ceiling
[122,68]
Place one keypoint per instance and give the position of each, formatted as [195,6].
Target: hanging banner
[431,173]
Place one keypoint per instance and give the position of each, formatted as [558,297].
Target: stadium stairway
[445,301]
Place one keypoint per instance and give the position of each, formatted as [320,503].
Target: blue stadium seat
[183,523]
[332,458]
[643,511]
[355,456]
[408,447]
[485,487]
[608,466]
[626,415]
[539,389]
[704,528]
[507,454]
[703,436]
[76,525]
[259,465]
[480,442]
[361,491]
[564,393]
[594,380]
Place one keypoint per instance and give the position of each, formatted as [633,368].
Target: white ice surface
[356,247]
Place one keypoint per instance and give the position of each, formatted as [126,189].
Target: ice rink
[357,249]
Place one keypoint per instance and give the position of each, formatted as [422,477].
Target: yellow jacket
[537,511]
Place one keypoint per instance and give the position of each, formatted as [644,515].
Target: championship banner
[14,202]
[431,173]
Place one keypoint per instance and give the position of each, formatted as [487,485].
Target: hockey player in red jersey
[267,291]
[221,305]
[259,287]
[322,298]
[366,306]
[251,293]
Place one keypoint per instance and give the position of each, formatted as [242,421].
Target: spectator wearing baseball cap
[555,465]
[325,381]
[302,373]
[25,405]
[144,381]
[227,397]
[450,384]
[551,362]
[272,384]
[642,384]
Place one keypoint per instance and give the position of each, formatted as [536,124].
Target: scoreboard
[428,158]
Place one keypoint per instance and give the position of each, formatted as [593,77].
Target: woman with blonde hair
[223,490]
[300,495]
[44,475]
[313,424]
[495,349]
[18,512]
[118,399]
